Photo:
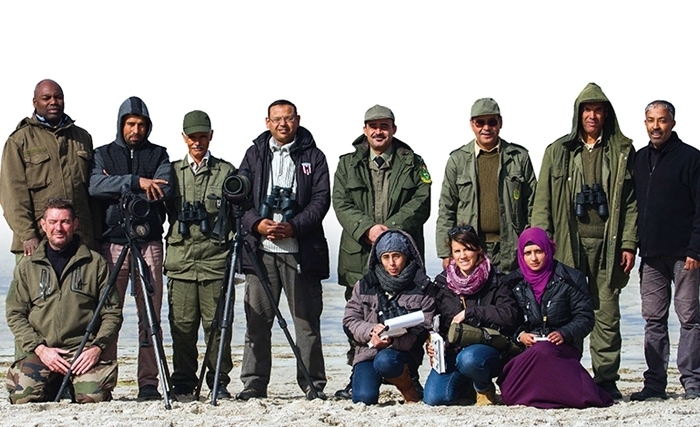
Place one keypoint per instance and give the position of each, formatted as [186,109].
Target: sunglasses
[481,122]
[461,229]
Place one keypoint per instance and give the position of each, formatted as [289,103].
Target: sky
[427,61]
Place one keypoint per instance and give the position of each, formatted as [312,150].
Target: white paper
[397,326]
[437,362]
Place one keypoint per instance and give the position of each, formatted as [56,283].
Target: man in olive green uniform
[489,184]
[194,263]
[46,156]
[52,298]
[383,184]
[585,199]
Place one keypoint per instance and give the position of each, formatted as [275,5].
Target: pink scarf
[467,285]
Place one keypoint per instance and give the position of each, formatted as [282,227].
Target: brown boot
[405,385]
[486,397]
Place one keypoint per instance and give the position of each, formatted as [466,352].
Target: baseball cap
[484,107]
[196,121]
[378,112]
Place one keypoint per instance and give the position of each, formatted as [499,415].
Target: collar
[582,140]
[43,121]
[275,147]
[387,155]
[478,150]
[193,164]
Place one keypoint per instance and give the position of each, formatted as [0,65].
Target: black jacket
[313,194]
[668,199]
[565,303]
[492,307]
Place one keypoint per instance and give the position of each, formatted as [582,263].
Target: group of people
[531,267]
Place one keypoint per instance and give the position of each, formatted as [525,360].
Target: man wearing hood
[667,182]
[382,184]
[47,156]
[290,198]
[134,164]
[585,200]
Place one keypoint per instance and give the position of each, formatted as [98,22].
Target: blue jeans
[367,376]
[477,362]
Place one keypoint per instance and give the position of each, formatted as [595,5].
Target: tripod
[224,309]
[137,262]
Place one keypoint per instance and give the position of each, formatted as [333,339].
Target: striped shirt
[282,174]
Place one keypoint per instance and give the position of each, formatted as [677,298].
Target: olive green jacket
[42,308]
[195,257]
[353,202]
[38,163]
[459,203]
[561,176]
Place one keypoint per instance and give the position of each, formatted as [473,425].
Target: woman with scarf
[469,291]
[556,314]
[395,284]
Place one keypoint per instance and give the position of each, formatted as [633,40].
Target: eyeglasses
[288,119]
[492,122]
[461,229]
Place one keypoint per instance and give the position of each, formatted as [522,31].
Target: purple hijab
[537,279]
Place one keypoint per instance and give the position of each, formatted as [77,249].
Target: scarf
[396,284]
[537,279]
[468,285]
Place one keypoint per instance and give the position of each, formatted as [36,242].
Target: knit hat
[378,112]
[485,107]
[196,121]
[392,242]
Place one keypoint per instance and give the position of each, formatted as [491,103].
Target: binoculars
[280,199]
[593,196]
[390,308]
[193,213]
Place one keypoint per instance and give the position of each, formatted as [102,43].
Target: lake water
[334,303]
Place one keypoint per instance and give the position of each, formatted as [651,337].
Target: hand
[429,350]
[445,262]
[459,317]
[556,338]
[283,230]
[87,360]
[377,341]
[52,358]
[374,232]
[30,246]
[152,187]
[627,261]
[691,263]
[527,339]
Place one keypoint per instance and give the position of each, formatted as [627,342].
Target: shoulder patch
[424,174]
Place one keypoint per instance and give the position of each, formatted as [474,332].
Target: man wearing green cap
[489,184]
[194,263]
[382,184]
[585,200]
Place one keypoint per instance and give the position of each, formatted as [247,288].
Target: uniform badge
[306,168]
[424,174]
[516,194]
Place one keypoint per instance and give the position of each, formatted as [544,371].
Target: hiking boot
[251,393]
[182,390]
[149,392]
[611,388]
[647,393]
[486,397]
[692,393]
[319,394]
[404,383]
[345,393]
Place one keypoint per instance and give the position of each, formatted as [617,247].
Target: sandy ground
[287,406]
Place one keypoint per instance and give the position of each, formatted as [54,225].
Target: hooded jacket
[561,176]
[353,202]
[459,201]
[668,196]
[117,167]
[38,163]
[59,316]
[566,304]
[362,310]
[313,197]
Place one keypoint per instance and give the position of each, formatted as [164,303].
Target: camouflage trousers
[29,380]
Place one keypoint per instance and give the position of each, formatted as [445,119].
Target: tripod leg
[93,326]
[153,325]
[252,256]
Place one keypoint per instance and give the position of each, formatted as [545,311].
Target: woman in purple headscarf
[556,314]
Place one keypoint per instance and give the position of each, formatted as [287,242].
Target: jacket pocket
[514,198]
[38,170]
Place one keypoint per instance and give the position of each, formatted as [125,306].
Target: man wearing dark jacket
[290,196]
[667,183]
[131,163]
